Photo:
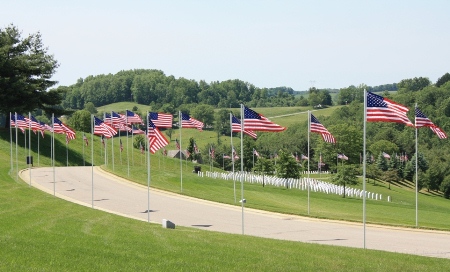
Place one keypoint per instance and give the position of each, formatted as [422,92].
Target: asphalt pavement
[93,187]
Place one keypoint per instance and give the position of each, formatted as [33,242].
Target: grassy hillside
[40,232]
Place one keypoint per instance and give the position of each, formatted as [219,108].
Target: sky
[297,44]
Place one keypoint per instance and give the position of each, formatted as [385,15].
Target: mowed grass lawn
[39,232]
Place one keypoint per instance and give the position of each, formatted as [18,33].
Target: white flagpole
[232,154]
[242,165]
[92,160]
[309,129]
[17,148]
[132,145]
[148,171]
[128,160]
[112,144]
[181,161]
[364,169]
[417,177]
[53,153]
[83,143]
[29,143]
[67,151]
[11,145]
[38,147]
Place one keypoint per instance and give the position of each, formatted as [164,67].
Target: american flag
[86,141]
[189,122]
[234,154]
[114,119]
[381,109]
[45,127]
[212,152]
[226,156]
[439,132]
[100,128]
[156,138]
[423,121]
[386,155]
[304,157]
[177,144]
[121,145]
[342,157]
[195,148]
[161,119]
[61,128]
[136,130]
[317,127]
[236,127]
[141,147]
[21,121]
[132,118]
[255,152]
[33,123]
[257,122]
[13,123]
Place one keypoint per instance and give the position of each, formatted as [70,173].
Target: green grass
[39,232]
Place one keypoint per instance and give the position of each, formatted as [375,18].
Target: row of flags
[30,122]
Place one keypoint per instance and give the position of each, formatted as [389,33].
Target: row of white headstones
[315,185]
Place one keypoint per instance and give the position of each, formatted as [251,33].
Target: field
[40,232]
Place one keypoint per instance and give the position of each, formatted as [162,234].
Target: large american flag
[132,118]
[257,122]
[423,121]
[317,127]
[101,128]
[380,109]
[236,127]
[189,122]
[156,138]
[161,119]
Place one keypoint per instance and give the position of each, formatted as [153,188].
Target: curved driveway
[119,196]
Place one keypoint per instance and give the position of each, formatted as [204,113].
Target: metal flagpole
[38,144]
[67,151]
[92,160]
[83,143]
[17,148]
[148,172]
[181,161]
[128,160]
[112,144]
[11,145]
[417,178]
[364,168]
[132,145]
[309,130]
[232,155]
[29,143]
[53,153]
[242,165]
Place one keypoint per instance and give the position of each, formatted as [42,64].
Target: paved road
[116,195]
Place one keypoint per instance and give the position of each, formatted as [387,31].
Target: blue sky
[299,44]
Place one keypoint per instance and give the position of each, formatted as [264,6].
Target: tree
[390,176]
[442,80]
[445,187]
[346,175]
[89,106]
[81,120]
[204,113]
[26,69]
[287,166]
